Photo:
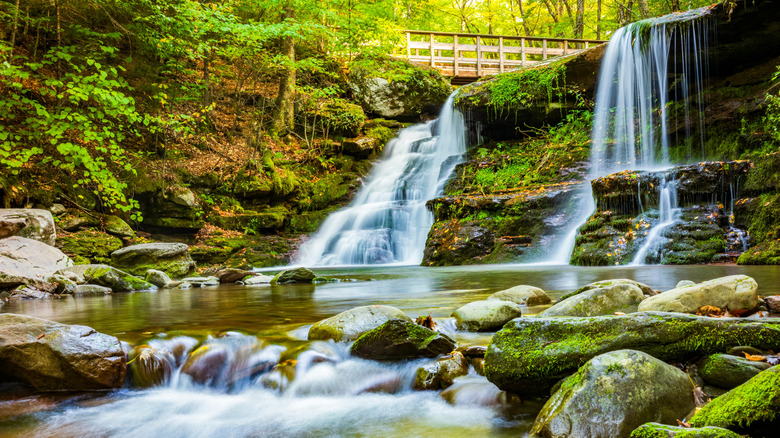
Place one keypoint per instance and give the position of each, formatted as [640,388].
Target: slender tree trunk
[207,79]
[598,21]
[284,112]
[16,25]
[551,10]
[59,37]
[522,16]
[644,9]
[579,23]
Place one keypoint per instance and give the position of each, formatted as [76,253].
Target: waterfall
[388,221]
[668,214]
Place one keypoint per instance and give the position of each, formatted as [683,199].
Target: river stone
[209,365]
[657,430]
[607,300]
[50,356]
[401,339]
[201,281]
[684,283]
[91,289]
[257,279]
[348,326]
[442,373]
[613,394]
[31,223]
[735,292]
[63,284]
[529,355]
[646,290]
[116,226]
[104,275]
[30,259]
[151,367]
[232,275]
[487,315]
[172,258]
[523,295]
[297,275]
[752,408]
[773,303]
[474,391]
[727,371]
[157,278]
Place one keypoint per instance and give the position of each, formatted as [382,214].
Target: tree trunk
[13,32]
[522,16]
[579,23]
[598,21]
[551,10]
[644,9]
[59,38]
[284,112]
[207,79]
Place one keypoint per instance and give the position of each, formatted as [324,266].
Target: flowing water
[668,215]
[316,389]
[388,221]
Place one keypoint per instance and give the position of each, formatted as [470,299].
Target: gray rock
[485,315]
[257,279]
[31,259]
[75,222]
[57,209]
[773,303]
[26,292]
[172,258]
[400,339]
[727,371]
[613,394]
[104,275]
[684,283]
[64,284]
[32,223]
[118,227]
[232,275]
[529,355]
[157,278]
[183,196]
[360,147]
[91,289]
[201,281]
[442,373]
[647,291]
[50,356]
[350,325]
[297,275]
[657,430]
[523,295]
[735,292]
[624,298]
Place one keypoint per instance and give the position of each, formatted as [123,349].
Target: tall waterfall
[388,221]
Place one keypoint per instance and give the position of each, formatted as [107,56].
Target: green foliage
[772,115]
[517,90]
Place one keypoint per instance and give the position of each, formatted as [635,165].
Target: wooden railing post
[565,47]
[433,62]
[500,54]
[408,45]
[455,52]
[522,52]
[544,50]
[479,57]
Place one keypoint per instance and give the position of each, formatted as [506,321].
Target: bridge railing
[476,55]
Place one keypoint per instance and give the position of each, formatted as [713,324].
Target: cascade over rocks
[487,315]
[613,394]
[399,339]
[50,356]
[735,292]
[31,223]
[523,295]
[351,324]
[172,258]
[606,300]
[529,355]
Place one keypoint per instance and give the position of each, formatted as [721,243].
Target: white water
[668,215]
[388,222]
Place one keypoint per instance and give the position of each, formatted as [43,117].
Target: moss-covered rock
[296,275]
[624,298]
[530,355]
[88,247]
[399,339]
[727,371]
[735,292]
[172,258]
[442,373]
[657,430]
[752,408]
[107,276]
[351,324]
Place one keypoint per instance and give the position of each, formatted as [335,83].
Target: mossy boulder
[623,298]
[107,276]
[735,292]
[752,408]
[523,295]
[297,275]
[442,373]
[486,315]
[87,247]
[613,394]
[529,355]
[335,116]
[727,371]
[114,225]
[351,324]
[172,258]
[657,430]
[399,339]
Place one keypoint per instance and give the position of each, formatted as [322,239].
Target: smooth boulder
[297,275]
[442,373]
[157,278]
[49,356]
[104,275]
[28,258]
[523,295]
[727,371]
[400,339]
[487,315]
[735,292]
[172,258]
[646,290]
[31,223]
[529,355]
[613,394]
[349,325]
[607,300]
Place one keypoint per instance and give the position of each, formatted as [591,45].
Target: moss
[88,247]
[656,430]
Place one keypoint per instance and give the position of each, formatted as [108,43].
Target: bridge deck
[467,57]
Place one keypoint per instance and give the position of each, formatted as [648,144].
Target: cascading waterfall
[668,214]
[388,221]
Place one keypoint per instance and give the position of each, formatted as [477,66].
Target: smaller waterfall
[668,214]
[388,221]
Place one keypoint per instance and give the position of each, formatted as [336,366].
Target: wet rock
[29,292]
[478,363]
[257,279]
[201,281]
[657,430]
[613,394]
[441,373]
[684,283]
[485,315]
[91,289]
[232,275]
[529,355]
[104,275]
[751,408]
[360,147]
[57,209]
[457,243]
[773,303]
[209,365]
[172,258]
[350,325]
[647,291]
[157,278]
[297,275]
[27,258]
[624,298]
[735,292]
[35,224]
[64,285]
[726,371]
[116,226]
[50,356]
[151,367]
[473,350]
[471,391]
[401,339]
[523,295]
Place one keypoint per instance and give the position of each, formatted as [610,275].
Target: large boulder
[28,262]
[400,339]
[735,292]
[31,223]
[613,394]
[727,371]
[485,315]
[647,291]
[657,430]
[752,408]
[297,275]
[523,295]
[350,325]
[50,356]
[624,298]
[104,275]
[172,258]
[530,355]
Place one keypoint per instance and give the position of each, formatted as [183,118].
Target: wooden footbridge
[466,57]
